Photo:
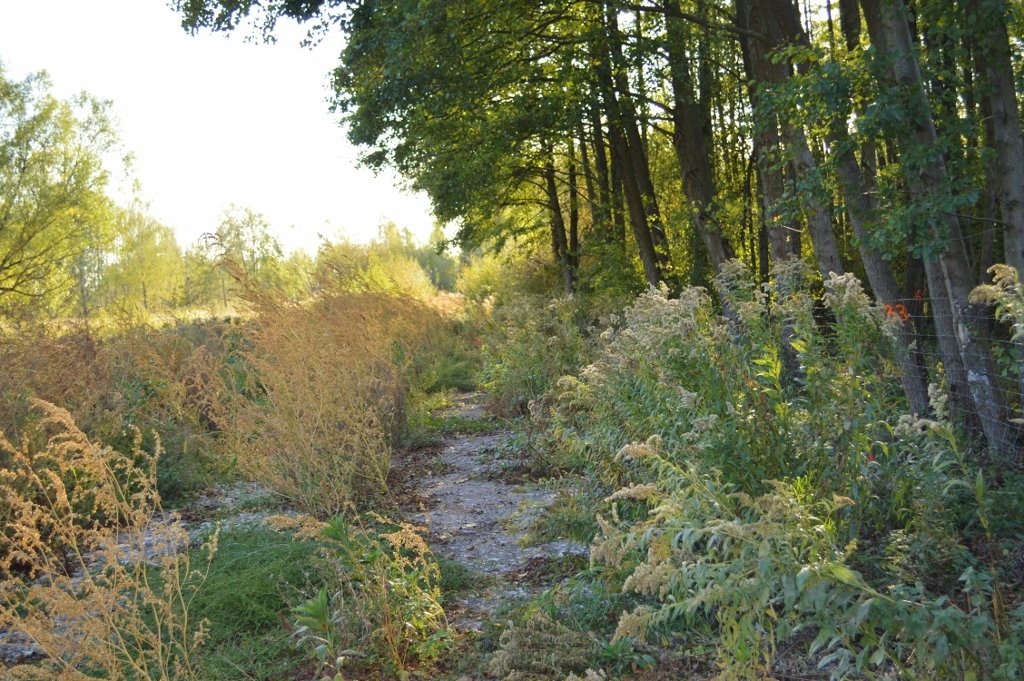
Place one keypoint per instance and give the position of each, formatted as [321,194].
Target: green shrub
[530,344]
[382,601]
[784,489]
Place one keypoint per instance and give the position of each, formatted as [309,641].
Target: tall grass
[322,402]
[90,575]
[112,379]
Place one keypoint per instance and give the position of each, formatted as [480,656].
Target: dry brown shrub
[113,378]
[325,400]
[89,575]
[67,369]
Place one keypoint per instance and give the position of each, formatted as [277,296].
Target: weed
[455,577]
[255,578]
[90,576]
[326,398]
[381,602]
[571,516]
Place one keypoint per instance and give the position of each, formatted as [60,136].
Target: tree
[244,239]
[53,205]
[148,268]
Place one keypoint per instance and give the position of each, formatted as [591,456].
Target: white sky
[211,119]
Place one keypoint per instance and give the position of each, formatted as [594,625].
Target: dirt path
[478,520]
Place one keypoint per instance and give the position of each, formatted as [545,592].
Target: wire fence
[995,378]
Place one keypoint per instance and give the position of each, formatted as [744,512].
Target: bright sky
[213,120]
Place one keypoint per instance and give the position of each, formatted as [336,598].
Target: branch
[693,18]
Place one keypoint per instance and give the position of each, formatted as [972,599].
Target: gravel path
[478,520]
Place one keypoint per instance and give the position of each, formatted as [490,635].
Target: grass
[456,577]
[256,576]
[571,516]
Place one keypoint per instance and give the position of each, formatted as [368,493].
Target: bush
[530,344]
[381,603]
[323,397]
[766,568]
[134,376]
[784,489]
[99,585]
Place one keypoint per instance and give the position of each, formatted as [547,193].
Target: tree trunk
[805,168]
[993,54]
[753,17]
[950,280]
[629,164]
[691,140]
[574,213]
[635,148]
[558,238]
[913,376]
[602,204]
[862,219]
[588,182]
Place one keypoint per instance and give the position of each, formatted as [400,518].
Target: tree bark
[558,237]
[691,139]
[753,16]
[802,161]
[913,376]
[950,280]
[635,148]
[602,206]
[993,55]
[574,213]
[630,163]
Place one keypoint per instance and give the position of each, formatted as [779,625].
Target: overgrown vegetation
[766,489]
[728,270]
[312,396]
[91,576]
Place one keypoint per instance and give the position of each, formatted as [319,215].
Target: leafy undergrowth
[256,577]
[764,504]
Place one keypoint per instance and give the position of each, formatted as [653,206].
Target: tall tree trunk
[630,163]
[558,238]
[802,161]
[993,54]
[950,280]
[862,220]
[596,223]
[635,148]
[913,376]
[761,34]
[603,202]
[1003,128]
[691,139]
[618,196]
[819,217]
[574,212]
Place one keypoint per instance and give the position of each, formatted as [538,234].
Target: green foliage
[255,577]
[54,212]
[772,501]
[532,343]
[675,368]
[571,516]
[381,603]
[767,567]
[390,264]
[148,270]
[455,577]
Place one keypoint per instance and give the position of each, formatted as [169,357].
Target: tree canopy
[53,201]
